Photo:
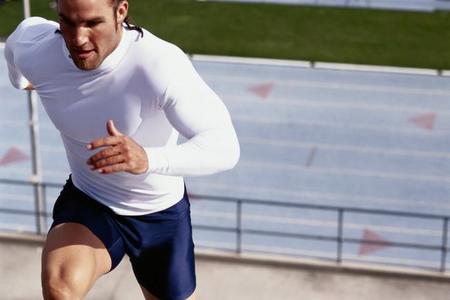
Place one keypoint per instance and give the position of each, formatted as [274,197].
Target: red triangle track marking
[424,121]
[13,155]
[371,236]
[262,90]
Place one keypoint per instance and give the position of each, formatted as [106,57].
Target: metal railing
[339,239]
[240,231]
[39,212]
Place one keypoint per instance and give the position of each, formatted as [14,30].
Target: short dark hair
[127,20]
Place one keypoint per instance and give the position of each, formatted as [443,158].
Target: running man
[119,97]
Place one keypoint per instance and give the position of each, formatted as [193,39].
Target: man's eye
[66,22]
[92,23]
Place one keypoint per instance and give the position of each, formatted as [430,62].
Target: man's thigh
[164,261]
[72,260]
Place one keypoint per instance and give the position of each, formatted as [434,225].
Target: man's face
[91,29]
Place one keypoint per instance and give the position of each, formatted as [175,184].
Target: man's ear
[122,11]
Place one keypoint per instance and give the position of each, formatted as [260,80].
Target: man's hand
[29,87]
[120,153]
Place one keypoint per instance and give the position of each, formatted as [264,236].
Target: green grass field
[411,39]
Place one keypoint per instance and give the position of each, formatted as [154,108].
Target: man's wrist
[157,161]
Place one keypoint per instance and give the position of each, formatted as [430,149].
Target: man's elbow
[232,156]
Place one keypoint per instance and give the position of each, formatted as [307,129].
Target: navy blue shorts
[159,245]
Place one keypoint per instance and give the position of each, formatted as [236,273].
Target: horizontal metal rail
[239,230]
[320,207]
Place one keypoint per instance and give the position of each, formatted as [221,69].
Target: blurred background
[342,110]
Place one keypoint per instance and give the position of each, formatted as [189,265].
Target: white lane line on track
[379,128]
[343,148]
[344,171]
[248,80]
[41,125]
[7,197]
[308,64]
[45,148]
[250,61]
[17,227]
[300,102]
[60,175]
[313,197]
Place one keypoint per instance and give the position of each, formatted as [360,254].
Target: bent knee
[62,283]
[58,290]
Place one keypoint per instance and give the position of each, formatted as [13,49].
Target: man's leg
[72,260]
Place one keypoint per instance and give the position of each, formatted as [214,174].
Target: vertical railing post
[339,236]
[44,213]
[444,245]
[26,8]
[36,175]
[239,226]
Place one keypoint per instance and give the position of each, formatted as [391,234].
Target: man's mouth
[82,54]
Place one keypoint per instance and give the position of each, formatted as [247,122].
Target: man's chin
[86,65]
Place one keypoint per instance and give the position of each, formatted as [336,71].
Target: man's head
[92,29]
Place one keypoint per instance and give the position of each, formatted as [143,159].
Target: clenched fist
[119,153]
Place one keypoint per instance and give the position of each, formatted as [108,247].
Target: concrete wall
[222,277]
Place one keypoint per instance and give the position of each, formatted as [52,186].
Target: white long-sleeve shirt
[151,91]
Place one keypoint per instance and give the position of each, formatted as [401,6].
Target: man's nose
[81,36]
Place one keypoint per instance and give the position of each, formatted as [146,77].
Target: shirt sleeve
[198,114]
[15,75]
[21,39]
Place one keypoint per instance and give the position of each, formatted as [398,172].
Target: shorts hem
[114,263]
[183,296]
[187,295]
